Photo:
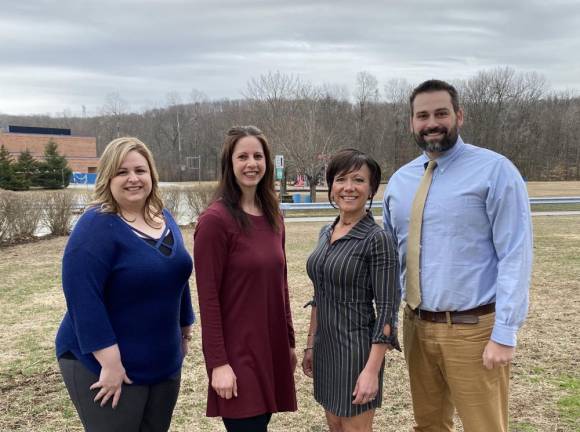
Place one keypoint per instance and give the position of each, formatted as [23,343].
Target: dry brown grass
[535,189]
[31,306]
[555,188]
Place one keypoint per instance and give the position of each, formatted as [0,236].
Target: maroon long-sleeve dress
[245,312]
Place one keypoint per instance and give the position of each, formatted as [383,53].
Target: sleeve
[210,252]
[508,209]
[383,270]
[289,324]
[388,227]
[186,314]
[321,234]
[84,276]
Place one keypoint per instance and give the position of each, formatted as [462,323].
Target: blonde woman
[125,278]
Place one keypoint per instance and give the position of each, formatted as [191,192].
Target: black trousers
[250,424]
[141,408]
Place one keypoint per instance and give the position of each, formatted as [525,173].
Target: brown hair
[348,160]
[109,164]
[228,189]
[434,85]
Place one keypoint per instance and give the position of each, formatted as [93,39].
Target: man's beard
[449,139]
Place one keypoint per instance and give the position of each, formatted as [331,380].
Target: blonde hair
[109,164]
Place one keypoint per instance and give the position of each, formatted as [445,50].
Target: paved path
[379,218]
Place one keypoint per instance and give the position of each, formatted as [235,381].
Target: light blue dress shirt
[476,241]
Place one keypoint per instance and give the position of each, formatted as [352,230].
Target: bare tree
[511,112]
[366,97]
[397,146]
[291,112]
[113,110]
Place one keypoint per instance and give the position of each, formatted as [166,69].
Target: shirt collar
[360,230]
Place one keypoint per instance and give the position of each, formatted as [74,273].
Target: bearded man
[460,215]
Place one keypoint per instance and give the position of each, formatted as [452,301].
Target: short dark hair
[434,85]
[348,160]
[229,191]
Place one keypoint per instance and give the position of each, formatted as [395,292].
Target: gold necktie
[413,285]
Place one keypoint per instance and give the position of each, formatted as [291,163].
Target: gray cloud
[58,55]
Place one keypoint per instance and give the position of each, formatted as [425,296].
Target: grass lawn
[545,389]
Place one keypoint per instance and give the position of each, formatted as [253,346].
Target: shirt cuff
[391,340]
[504,335]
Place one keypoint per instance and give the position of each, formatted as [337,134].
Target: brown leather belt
[459,317]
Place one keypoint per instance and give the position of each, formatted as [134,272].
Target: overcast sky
[60,55]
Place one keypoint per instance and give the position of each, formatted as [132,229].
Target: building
[80,152]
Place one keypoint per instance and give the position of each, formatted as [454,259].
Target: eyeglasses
[244,130]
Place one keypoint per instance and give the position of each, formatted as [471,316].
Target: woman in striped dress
[353,266]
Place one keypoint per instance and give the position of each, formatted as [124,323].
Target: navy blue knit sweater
[121,290]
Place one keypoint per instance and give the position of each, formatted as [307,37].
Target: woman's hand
[112,375]
[307,362]
[110,383]
[366,387]
[184,346]
[224,382]
[186,336]
[293,359]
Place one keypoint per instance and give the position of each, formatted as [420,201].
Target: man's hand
[495,355]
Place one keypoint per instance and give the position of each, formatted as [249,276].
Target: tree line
[25,171]
[507,111]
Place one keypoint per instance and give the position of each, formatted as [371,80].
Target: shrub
[198,198]
[171,200]
[3,215]
[21,215]
[59,209]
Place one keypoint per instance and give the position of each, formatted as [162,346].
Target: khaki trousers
[446,372]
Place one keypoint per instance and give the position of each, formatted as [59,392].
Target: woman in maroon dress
[240,267]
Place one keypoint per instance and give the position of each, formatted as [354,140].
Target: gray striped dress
[350,275]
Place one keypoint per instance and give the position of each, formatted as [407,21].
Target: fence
[379,204]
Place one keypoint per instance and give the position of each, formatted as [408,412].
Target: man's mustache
[439,129]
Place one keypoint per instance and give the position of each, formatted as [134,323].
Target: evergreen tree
[25,169]
[54,172]
[6,169]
